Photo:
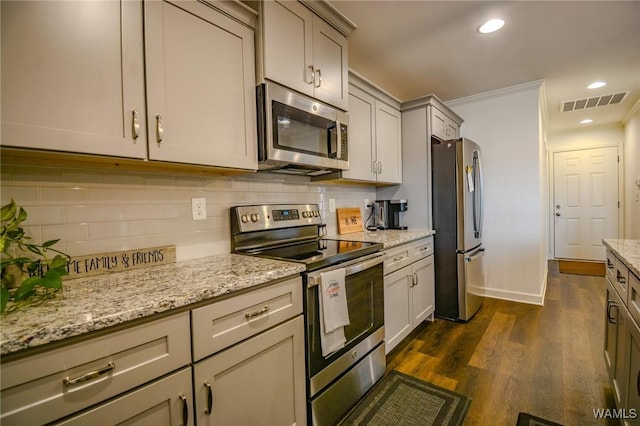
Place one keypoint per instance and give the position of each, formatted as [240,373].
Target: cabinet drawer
[167,401]
[633,301]
[229,321]
[621,280]
[397,258]
[40,388]
[422,248]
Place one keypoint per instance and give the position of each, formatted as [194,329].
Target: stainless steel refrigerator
[457,219]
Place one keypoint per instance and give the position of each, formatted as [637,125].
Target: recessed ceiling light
[597,85]
[586,121]
[491,25]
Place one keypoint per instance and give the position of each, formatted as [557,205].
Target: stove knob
[244,218]
[315,213]
[254,217]
[305,214]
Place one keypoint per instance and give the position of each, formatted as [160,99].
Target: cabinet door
[423,291]
[72,77]
[168,401]
[257,382]
[633,389]
[620,376]
[201,86]
[330,65]
[361,136]
[288,56]
[442,126]
[388,143]
[397,307]
[610,326]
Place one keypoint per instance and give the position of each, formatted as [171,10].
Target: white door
[585,202]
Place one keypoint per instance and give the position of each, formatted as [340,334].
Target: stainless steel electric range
[295,232]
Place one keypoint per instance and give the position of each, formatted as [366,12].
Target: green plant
[26,280]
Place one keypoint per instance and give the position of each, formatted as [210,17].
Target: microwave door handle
[338,140]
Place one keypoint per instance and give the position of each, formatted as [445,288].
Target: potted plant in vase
[26,279]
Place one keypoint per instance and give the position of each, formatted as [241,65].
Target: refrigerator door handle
[476,254]
[478,195]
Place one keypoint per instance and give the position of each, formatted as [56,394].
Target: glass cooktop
[321,253]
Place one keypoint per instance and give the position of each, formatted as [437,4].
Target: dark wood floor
[515,357]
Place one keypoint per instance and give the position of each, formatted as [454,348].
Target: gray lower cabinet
[49,386]
[243,356]
[248,356]
[622,339]
[257,382]
[409,292]
[167,401]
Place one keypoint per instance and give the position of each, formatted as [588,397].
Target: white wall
[507,126]
[631,173]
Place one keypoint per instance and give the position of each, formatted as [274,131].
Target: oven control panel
[270,216]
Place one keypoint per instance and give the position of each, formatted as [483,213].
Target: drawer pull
[185,410]
[398,258]
[209,398]
[424,248]
[611,304]
[88,376]
[257,313]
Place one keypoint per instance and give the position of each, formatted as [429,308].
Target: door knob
[557,213]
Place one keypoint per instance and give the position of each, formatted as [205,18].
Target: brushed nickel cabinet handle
[90,375]
[313,75]
[257,313]
[209,398]
[611,304]
[159,128]
[398,258]
[135,125]
[185,410]
[319,72]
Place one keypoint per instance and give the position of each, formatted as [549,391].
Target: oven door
[365,301]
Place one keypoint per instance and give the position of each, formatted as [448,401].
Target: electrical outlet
[199,208]
[332,205]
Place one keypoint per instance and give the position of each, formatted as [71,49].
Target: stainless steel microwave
[298,134]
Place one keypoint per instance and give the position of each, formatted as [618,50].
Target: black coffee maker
[387,213]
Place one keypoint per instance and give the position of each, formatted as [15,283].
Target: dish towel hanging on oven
[334,314]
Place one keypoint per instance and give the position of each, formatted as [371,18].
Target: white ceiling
[415,48]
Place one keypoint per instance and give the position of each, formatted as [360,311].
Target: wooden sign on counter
[349,220]
[104,263]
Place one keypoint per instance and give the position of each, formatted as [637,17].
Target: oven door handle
[314,278]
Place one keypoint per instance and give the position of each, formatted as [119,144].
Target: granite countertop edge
[98,302]
[388,238]
[627,250]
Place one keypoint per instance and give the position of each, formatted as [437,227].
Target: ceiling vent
[596,101]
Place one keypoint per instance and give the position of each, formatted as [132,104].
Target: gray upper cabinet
[442,127]
[73,77]
[375,145]
[73,80]
[200,86]
[298,48]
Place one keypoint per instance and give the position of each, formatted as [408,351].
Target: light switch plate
[199,208]
[332,205]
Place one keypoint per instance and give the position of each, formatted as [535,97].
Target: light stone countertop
[94,303]
[389,238]
[628,251]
